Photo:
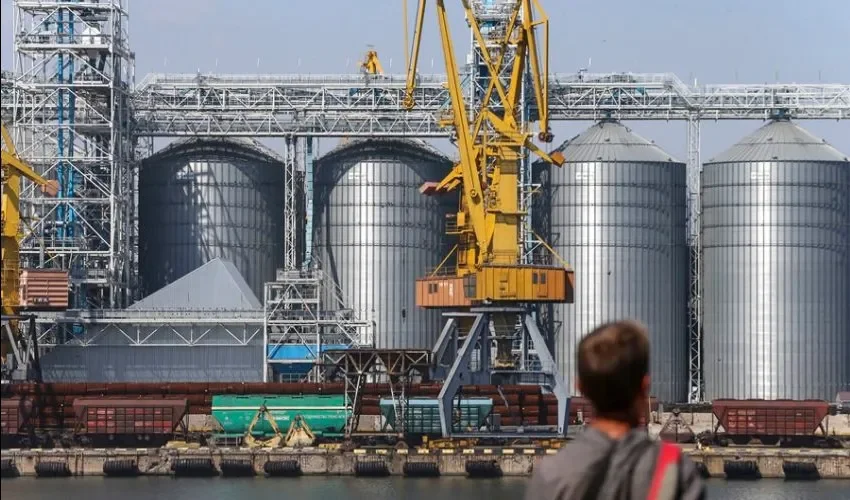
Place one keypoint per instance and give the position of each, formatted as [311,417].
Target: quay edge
[830,464]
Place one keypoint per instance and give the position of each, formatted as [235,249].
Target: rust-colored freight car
[129,421]
[14,415]
[783,421]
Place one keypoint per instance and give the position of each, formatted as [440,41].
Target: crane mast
[490,296]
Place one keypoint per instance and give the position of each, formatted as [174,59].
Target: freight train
[148,415]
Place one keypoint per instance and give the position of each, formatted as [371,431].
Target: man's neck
[613,428]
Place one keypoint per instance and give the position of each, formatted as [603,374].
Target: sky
[707,41]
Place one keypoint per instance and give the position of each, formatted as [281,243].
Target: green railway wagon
[326,415]
[422,415]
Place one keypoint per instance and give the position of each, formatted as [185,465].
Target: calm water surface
[345,488]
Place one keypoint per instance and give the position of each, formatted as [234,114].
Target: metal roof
[413,146]
[611,141]
[186,144]
[215,285]
[780,140]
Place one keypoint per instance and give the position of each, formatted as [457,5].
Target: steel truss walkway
[351,105]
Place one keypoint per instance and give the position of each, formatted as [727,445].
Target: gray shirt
[570,473]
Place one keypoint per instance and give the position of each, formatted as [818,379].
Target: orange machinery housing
[495,283]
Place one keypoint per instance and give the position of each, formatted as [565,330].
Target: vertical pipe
[266,312]
[60,118]
[69,146]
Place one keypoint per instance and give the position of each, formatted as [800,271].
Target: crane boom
[490,137]
[413,57]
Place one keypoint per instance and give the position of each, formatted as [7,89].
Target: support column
[694,169]
[290,210]
[308,201]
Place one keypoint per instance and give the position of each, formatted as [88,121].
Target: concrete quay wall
[833,464]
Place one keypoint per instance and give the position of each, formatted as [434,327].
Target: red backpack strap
[668,460]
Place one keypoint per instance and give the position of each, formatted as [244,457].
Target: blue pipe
[60,117]
[72,98]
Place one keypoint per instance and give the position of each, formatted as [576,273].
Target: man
[613,458]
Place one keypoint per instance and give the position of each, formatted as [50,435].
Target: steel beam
[478,339]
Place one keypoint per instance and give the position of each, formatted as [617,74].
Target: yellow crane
[491,293]
[14,169]
[490,137]
[371,65]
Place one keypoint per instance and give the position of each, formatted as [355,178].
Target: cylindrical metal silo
[776,267]
[616,212]
[375,233]
[205,198]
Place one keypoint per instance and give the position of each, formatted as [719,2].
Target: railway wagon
[770,422]
[128,422]
[326,415]
[15,413]
[422,416]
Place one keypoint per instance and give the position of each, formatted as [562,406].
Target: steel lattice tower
[74,71]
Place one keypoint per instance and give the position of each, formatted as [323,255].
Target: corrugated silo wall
[210,198]
[621,226]
[375,233]
[776,283]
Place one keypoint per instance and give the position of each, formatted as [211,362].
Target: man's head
[613,368]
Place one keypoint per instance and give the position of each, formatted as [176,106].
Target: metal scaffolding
[397,367]
[71,120]
[305,314]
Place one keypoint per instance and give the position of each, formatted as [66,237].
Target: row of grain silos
[775,239]
[775,258]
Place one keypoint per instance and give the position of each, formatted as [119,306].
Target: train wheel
[741,440]
[769,440]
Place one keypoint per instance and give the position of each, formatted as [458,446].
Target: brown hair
[612,362]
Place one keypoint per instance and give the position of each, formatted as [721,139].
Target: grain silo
[776,267]
[616,212]
[375,233]
[201,199]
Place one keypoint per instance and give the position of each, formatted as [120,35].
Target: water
[345,488]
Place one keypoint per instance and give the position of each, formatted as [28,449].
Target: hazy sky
[714,41]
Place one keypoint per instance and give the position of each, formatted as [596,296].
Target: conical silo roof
[611,141]
[780,140]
